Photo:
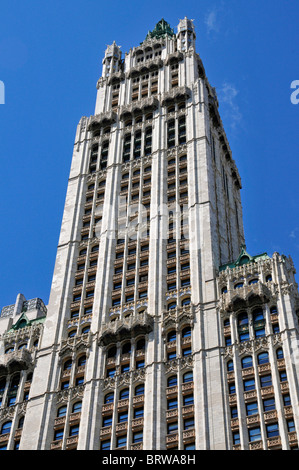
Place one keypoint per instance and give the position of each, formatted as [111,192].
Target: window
[249,384]
[105,445]
[107,421]
[121,441]
[123,417]
[139,390]
[272,430]
[236,438]
[291,425]
[74,430]
[77,407]
[124,394]
[266,381]
[61,411]
[188,400]
[279,353]
[230,366]
[58,435]
[6,427]
[269,404]
[138,436]
[138,412]
[283,376]
[232,389]
[254,434]
[172,381]
[263,358]
[251,409]
[189,423]
[172,403]
[109,398]
[246,362]
[172,428]
[188,377]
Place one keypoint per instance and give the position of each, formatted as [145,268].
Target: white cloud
[293,233]
[211,21]
[227,95]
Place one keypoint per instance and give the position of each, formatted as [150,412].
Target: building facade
[161,331]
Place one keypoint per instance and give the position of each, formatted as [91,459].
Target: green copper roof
[161,30]
[244,258]
[24,322]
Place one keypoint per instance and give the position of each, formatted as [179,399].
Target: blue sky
[50,60]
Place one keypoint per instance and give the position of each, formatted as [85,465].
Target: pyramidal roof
[161,29]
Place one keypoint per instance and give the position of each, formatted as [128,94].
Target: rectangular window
[121,441]
[251,409]
[272,430]
[254,434]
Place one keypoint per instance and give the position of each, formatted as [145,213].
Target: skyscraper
[161,331]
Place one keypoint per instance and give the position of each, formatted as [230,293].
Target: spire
[161,29]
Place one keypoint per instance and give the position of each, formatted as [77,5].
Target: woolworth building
[161,331]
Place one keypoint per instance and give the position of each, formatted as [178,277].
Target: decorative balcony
[107,409]
[171,414]
[15,361]
[171,391]
[137,446]
[56,445]
[256,445]
[234,424]
[141,323]
[187,410]
[121,428]
[270,416]
[274,442]
[252,420]
[245,297]
[188,435]
[172,439]
[101,119]
[105,432]
[137,424]
[72,442]
[59,422]
[176,94]
[138,400]
[123,403]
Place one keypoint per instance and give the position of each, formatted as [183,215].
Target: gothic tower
[161,331]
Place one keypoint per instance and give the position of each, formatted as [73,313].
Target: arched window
[188,377]
[172,381]
[126,349]
[279,353]
[21,422]
[186,301]
[246,362]
[171,336]
[67,365]
[171,305]
[109,398]
[273,310]
[258,322]
[230,366]
[111,352]
[77,407]
[263,358]
[124,394]
[186,332]
[6,427]
[243,327]
[140,345]
[82,361]
[139,390]
[61,411]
